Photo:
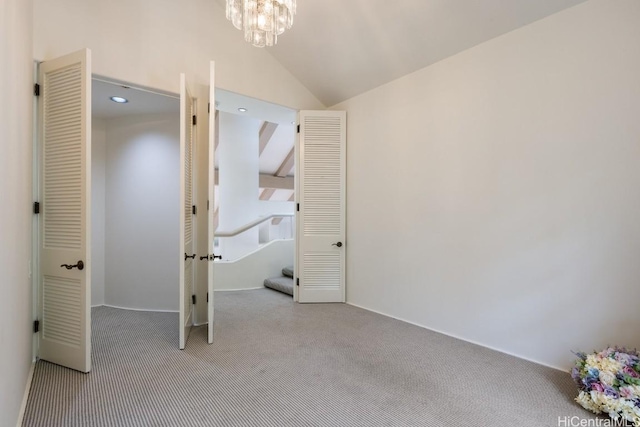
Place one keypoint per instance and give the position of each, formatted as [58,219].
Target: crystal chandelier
[262,20]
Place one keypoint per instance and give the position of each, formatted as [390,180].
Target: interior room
[490,234]
[135,169]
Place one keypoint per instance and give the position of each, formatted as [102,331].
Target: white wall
[98,187]
[507,182]
[250,271]
[142,212]
[238,182]
[16,86]
[238,186]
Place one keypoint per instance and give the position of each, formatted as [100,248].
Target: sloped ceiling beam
[282,172]
[266,132]
[287,165]
[270,181]
[267,193]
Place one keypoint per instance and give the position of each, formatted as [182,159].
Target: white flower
[607,378]
[585,400]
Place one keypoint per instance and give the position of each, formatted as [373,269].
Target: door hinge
[208,107]
[207,296]
[207,205]
[193,299]
[36,207]
[36,326]
[36,89]
[298,128]
[195,120]
[298,281]
[194,210]
[298,207]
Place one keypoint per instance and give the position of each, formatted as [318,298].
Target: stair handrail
[251,224]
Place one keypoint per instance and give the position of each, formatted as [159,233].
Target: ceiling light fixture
[242,110]
[262,20]
[119,99]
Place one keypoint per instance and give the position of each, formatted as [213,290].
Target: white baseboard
[25,397]
[459,338]
[135,309]
[235,290]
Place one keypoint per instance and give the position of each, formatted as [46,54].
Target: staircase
[282,283]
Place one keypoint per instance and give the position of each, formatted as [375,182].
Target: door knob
[211,257]
[339,244]
[189,256]
[79,265]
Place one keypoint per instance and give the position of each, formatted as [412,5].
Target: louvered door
[321,195]
[187,258]
[65,190]
[211,195]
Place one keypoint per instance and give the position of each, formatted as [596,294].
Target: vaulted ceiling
[341,48]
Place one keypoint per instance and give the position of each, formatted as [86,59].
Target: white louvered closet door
[65,191]
[211,198]
[321,195]
[187,247]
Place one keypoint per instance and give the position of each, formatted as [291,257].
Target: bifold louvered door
[321,195]
[211,198]
[187,247]
[65,191]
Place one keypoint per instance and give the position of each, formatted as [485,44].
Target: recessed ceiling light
[293,123]
[119,99]
[242,110]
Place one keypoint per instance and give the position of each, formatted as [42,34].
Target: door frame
[34,270]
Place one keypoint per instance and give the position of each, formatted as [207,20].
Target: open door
[65,223]
[211,198]
[321,200]
[187,254]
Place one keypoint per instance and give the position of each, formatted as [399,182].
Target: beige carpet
[277,363]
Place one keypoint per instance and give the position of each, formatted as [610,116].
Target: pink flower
[597,387]
[626,392]
[629,371]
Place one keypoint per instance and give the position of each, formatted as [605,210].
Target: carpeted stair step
[281,284]
[288,272]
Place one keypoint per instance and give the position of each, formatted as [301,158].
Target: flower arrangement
[609,383]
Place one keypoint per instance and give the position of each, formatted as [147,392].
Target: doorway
[135,164]
[255,189]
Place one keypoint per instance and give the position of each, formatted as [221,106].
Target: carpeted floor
[277,363]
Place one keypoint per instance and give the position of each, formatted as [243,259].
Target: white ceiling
[141,101]
[339,49]
[229,102]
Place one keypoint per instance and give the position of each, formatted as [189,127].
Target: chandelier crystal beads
[262,20]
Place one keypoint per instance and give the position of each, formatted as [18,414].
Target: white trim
[122,83]
[236,290]
[459,338]
[25,397]
[195,325]
[134,309]
[35,224]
